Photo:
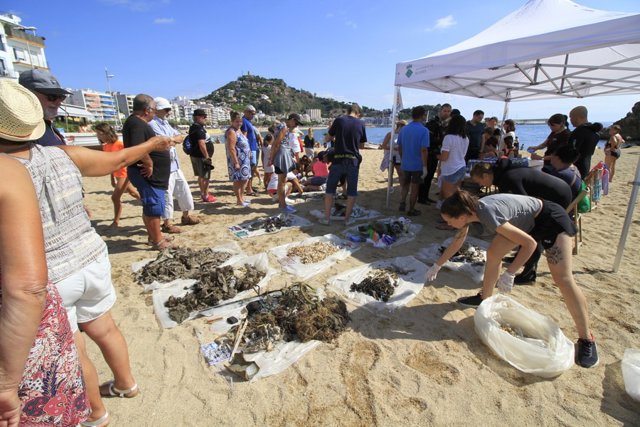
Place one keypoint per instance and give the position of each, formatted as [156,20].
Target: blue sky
[344,50]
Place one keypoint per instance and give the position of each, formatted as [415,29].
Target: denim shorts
[152,198]
[344,167]
[455,177]
[254,158]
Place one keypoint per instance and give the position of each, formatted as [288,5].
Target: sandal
[171,229]
[108,389]
[167,238]
[162,245]
[189,220]
[102,421]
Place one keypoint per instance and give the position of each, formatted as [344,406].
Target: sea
[528,135]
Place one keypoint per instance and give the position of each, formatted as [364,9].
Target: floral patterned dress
[244,158]
[52,390]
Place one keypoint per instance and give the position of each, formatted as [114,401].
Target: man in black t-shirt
[584,138]
[201,153]
[349,133]
[150,175]
[437,129]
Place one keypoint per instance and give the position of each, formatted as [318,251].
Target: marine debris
[181,263]
[312,253]
[380,283]
[214,285]
[270,224]
[468,253]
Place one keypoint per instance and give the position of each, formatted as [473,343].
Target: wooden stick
[236,343]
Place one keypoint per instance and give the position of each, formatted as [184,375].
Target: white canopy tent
[546,49]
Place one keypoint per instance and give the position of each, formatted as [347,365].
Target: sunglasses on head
[53,98]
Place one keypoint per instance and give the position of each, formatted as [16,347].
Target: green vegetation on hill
[274,97]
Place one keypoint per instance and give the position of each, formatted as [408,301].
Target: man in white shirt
[178,185]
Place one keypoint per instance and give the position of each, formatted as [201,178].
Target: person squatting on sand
[77,258]
[238,158]
[178,186]
[119,181]
[36,343]
[347,132]
[520,221]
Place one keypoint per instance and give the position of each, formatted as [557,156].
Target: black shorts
[550,222]
[412,177]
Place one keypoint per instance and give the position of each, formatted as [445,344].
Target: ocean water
[528,135]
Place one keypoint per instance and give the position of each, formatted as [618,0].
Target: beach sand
[422,365]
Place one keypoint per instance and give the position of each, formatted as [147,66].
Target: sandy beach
[422,365]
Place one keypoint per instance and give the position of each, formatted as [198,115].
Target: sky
[346,50]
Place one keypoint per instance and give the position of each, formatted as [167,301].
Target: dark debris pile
[380,283]
[296,313]
[214,285]
[181,263]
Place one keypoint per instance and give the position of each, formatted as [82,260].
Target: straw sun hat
[21,117]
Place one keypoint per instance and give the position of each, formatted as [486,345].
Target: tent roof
[545,49]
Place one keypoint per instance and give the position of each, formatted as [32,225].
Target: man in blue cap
[51,95]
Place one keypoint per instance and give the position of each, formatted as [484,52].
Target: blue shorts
[254,157]
[455,177]
[344,167]
[152,198]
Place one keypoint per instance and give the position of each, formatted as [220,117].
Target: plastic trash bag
[631,372]
[527,340]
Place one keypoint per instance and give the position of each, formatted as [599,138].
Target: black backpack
[186,145]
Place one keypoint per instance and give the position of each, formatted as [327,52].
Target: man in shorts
[150,175]
[413,144]
[255,140]
[201,153]
[348,132]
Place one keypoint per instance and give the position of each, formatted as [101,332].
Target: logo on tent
[409,71]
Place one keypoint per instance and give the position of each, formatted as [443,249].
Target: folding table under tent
[546,49]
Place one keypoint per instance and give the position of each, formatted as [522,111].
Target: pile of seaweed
[469,254]
[380,283]
[294,314]
[271,224]
[214,285]
[312,253]
[181,263]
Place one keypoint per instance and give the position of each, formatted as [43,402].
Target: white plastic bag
[631,372]
[539,347]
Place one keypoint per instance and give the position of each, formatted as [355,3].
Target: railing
[21,34]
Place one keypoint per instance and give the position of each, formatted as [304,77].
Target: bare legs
[238,190]
[152,224]
[90,378]
[104,332]
[203,183]
[498,248]
[122,185]
[610,161]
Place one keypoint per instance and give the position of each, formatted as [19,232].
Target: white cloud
[163,21]
[443,23]
[351,24]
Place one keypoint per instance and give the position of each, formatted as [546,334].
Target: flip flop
[103,420]
[112,391]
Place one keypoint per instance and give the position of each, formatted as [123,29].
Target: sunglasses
[53,98]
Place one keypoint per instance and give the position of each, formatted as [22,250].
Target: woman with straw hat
[77,258]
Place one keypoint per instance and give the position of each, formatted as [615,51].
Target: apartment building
[20,48]
[101,104]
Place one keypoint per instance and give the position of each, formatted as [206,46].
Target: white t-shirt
[457,148]
[512,134]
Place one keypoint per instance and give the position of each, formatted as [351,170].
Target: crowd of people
[61,286]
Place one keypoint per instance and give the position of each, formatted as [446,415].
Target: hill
[275,97]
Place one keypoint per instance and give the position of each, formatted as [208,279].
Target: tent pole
[505,112]
[394,114]
[627,219]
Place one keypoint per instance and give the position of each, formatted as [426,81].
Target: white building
[315,114]
[125,103]
[101,104]
[19,50]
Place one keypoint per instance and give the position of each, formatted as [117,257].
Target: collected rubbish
[183,263]
[380,283]
[631,372]
[525,339]
[271,224]
[213,285]
[468,253]
[312,253]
